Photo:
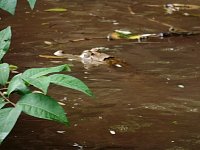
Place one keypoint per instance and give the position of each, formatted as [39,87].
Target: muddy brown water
[153,104]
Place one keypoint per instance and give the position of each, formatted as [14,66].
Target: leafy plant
[39,105]
[10,5]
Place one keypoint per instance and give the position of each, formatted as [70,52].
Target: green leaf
[8,5]
[32,3]
[5,37]
[17,84]
[2,103]
[41,83]
[42,106]
[38,72]
[13,67]
[8,118]
[4,73]
[56,10]
[70,82]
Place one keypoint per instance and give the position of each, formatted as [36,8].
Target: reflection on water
[151,104]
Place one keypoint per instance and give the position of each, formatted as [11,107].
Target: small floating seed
[181,86]
[61,132]
[112,132]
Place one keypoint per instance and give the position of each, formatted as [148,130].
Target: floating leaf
[32,3]
[37,72]
[5,37]
[56,10]
[2,103]
[70,82]
[4,73]
[41,83]
[42,106]
[8,118]
[124,32]
[8,5]
[17,84]
[121,34]
[13,67]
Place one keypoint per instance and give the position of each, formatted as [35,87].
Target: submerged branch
[78,40]
[165,24]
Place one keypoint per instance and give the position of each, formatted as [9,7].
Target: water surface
[152,104]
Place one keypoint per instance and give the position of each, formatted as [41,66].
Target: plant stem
[5,98]
[3,89]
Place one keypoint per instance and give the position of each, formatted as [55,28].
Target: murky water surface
[153,104]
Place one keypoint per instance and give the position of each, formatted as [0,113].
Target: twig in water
[78,40]
[130,10]
[164,24]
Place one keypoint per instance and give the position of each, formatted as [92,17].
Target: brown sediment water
[154,104]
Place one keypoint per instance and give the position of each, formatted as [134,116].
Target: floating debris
[62,104]
[13,67]
[175,122]
[56,10]
[61,132]
[126,34]
[168,79]
[80,147]
[76,104]
[59,53]
[112,132]
[170,8]
[181,86]
[118,65]
[100,117]
[48,43]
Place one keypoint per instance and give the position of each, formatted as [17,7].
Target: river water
[153,104]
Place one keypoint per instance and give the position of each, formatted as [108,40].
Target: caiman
[91,58]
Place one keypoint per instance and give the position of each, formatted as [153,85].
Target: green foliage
[10,5]
[34,104]
[38,72]
[4,75]
[5,37]
[42,106]
[70,82]
[37,78]
[41,83]
[17,84]
[8,118]
[2,103]
[32,3]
